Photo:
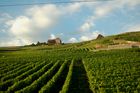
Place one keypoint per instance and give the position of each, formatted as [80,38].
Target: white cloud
[134,27]
[4,17]
[101,10]
[52,36]
[132,3]
[72,40]
[95,34]
[38,18]
[84,38]
[14,42]
[89,36]
[28,27]
[43,17]
[71,8]
[3,30]
[107,8]
[21,26]
[61,34]
[86,26]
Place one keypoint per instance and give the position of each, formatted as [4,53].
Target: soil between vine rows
[79,82]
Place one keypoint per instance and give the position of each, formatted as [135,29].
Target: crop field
[69,70]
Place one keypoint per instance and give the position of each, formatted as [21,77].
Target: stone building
[100,36]
[56,41]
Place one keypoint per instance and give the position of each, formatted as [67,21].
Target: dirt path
[79,82]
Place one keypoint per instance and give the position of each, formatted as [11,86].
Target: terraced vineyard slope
[69,69]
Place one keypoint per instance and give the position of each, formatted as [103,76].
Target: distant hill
[130,36]
[123,38]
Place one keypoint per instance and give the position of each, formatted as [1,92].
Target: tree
[38,43]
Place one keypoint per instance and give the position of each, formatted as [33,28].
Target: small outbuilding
[100,36]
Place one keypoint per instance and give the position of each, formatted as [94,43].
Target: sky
[72,22]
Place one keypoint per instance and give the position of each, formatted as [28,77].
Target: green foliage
[34,69]
[48,87]
[113,71]
[28,80]
[130,36]
[40,81]
[68,79]
[17,73]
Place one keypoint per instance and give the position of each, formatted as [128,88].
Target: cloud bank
[37,20]
[102,10]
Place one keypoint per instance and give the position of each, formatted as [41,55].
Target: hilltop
[124,40]
[129,39]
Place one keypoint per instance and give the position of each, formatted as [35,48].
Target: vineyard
[70,70]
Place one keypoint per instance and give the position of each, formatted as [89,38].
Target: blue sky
[72,22]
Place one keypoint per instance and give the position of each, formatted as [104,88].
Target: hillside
[72,68]
[128,38]
[124,40]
